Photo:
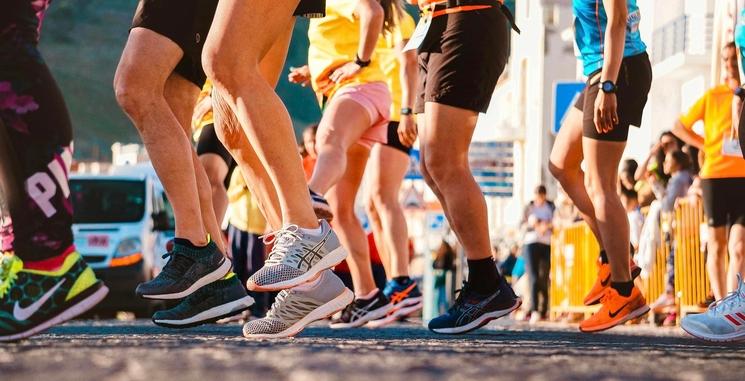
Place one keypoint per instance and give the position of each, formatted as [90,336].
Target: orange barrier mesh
[574,253]
[574,256]
[691,278]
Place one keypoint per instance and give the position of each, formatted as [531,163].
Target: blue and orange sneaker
[406,299]
[32,300]
[473,310]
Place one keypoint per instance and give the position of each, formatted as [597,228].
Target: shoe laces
[733,300]
[9,268]
[609,295]
[283,239]
[177,264]
[461,293]
[279,301]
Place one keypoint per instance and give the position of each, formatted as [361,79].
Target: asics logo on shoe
[21,313]
[613,314]
[397,297]
[472,312]
[311,255]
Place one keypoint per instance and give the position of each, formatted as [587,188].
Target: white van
[121,223]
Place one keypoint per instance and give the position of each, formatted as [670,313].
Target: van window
[107,201]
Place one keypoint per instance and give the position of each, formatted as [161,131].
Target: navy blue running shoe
[472,310]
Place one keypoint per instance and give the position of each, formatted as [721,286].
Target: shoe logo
[401,295]
[21,313]
[476,310]
[312,255]
[613,314]
[605,282]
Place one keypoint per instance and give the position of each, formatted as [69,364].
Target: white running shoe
[723,321]
[296,308]
[297,257]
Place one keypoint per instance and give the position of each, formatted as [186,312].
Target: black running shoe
[361,311]
[472,311]
[187,271]
[215,301]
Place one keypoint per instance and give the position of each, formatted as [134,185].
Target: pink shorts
[376,99]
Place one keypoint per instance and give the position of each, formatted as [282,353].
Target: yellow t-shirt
[197,124]
[244,209]
[334,40]
[388,57]
[715,109]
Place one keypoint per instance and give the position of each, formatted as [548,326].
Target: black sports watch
[608,87]
[360,62]
[407,111]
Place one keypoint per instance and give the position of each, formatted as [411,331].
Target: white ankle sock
[314,232]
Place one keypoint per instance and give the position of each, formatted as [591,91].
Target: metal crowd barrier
[574,254]
[691,278]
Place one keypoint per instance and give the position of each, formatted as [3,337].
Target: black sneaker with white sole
[361,311]
[472,310]
[217,300]
[188,269]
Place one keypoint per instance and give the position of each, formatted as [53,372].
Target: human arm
[371,19]
[606,104]
[407,128]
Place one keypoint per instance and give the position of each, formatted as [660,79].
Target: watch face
[608,87]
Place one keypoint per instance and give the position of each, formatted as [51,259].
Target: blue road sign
[414,172]
[565,95]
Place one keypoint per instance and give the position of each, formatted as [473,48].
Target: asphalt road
[137,350]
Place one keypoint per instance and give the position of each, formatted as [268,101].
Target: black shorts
[394,141]
[209,143]
[634,82]
[462,58]
[187,23]
[723,201]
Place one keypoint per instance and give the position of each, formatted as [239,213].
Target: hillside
[82,41]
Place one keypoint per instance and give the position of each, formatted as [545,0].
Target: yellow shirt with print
[715,110]
[386,54]
[334,40]
[244,209]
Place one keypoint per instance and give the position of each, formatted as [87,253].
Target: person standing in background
[723,176]
[537,219]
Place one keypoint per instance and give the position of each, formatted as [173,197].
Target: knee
[328,144]
[557,172]
[443,170]
[133,94]
[227,71]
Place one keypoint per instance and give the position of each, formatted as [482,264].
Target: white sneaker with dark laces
[297,257]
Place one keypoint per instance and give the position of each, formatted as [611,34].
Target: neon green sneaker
[32,301]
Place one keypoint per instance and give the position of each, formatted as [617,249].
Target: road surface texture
[137,350]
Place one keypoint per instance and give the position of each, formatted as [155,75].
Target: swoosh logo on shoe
[613,314]
[21,313]
[605,282]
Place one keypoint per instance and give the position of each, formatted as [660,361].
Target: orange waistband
[462,8]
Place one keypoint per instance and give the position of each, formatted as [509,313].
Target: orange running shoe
[603,282]
[615,310]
